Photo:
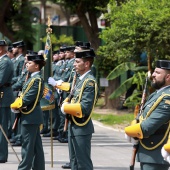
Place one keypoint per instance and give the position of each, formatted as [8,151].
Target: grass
[111,118]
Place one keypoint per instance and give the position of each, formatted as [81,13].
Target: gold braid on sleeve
[27,89]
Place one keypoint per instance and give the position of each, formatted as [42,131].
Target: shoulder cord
[80,96]
[147,115]
[27,89]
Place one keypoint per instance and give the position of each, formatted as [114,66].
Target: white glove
[59,91]
[62,107]
[59,82]
[131,139]
[15,111]
[168,159]
[51,81]
[165,155]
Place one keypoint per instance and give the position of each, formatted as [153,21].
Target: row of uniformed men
[62,67]
[63,60]
[79,109]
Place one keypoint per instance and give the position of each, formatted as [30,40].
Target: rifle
[68,100]
[16,121]
[135,147]
[60,99]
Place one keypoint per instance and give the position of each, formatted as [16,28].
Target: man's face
[62,55]
[159,78]
[15,51]
[55,57]
[69,54]
[80,66]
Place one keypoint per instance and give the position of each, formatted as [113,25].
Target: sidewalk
[110,151]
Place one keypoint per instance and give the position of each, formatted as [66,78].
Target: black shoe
[3,161]
[49,134]
[56,138]
[63,140]
[66,166]
[16,144]
[43,131]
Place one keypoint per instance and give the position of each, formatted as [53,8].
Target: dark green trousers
[80,152]
[32,150]
[4,112]
[149,166]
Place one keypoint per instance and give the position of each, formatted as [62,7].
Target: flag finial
[49,30]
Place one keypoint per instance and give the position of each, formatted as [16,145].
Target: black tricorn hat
[31,52]
[18,44]
[70,48]
[164,64]
[86,45]
[10,48]
[3,43]
[62,48]
[56,52]
[78,43]
[83,45]
[85,53]
[35,57]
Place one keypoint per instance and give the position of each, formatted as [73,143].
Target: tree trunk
[110,103]
[4,28]
[91,29]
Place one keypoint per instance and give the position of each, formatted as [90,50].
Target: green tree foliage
[136,26]
[58,42]
[88,13]
[138,78]
[15,20]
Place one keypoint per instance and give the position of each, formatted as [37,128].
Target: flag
[48,94]
[47,102]
[47,46]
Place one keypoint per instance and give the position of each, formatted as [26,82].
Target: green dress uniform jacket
[32,149]
[18,65]
[21,80]
[68,69]
[59,118]
[80,136]
[6,98]
[155,127]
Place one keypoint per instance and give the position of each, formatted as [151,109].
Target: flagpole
[49,31]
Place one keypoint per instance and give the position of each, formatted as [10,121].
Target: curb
[95,122]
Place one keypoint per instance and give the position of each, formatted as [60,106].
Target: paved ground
[110,151]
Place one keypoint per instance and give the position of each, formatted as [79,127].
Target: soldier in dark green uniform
[11,56]
[6,97]
[31,116]
[10,53]
[153,127]
[18,50]
[78,106]
[15,137]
